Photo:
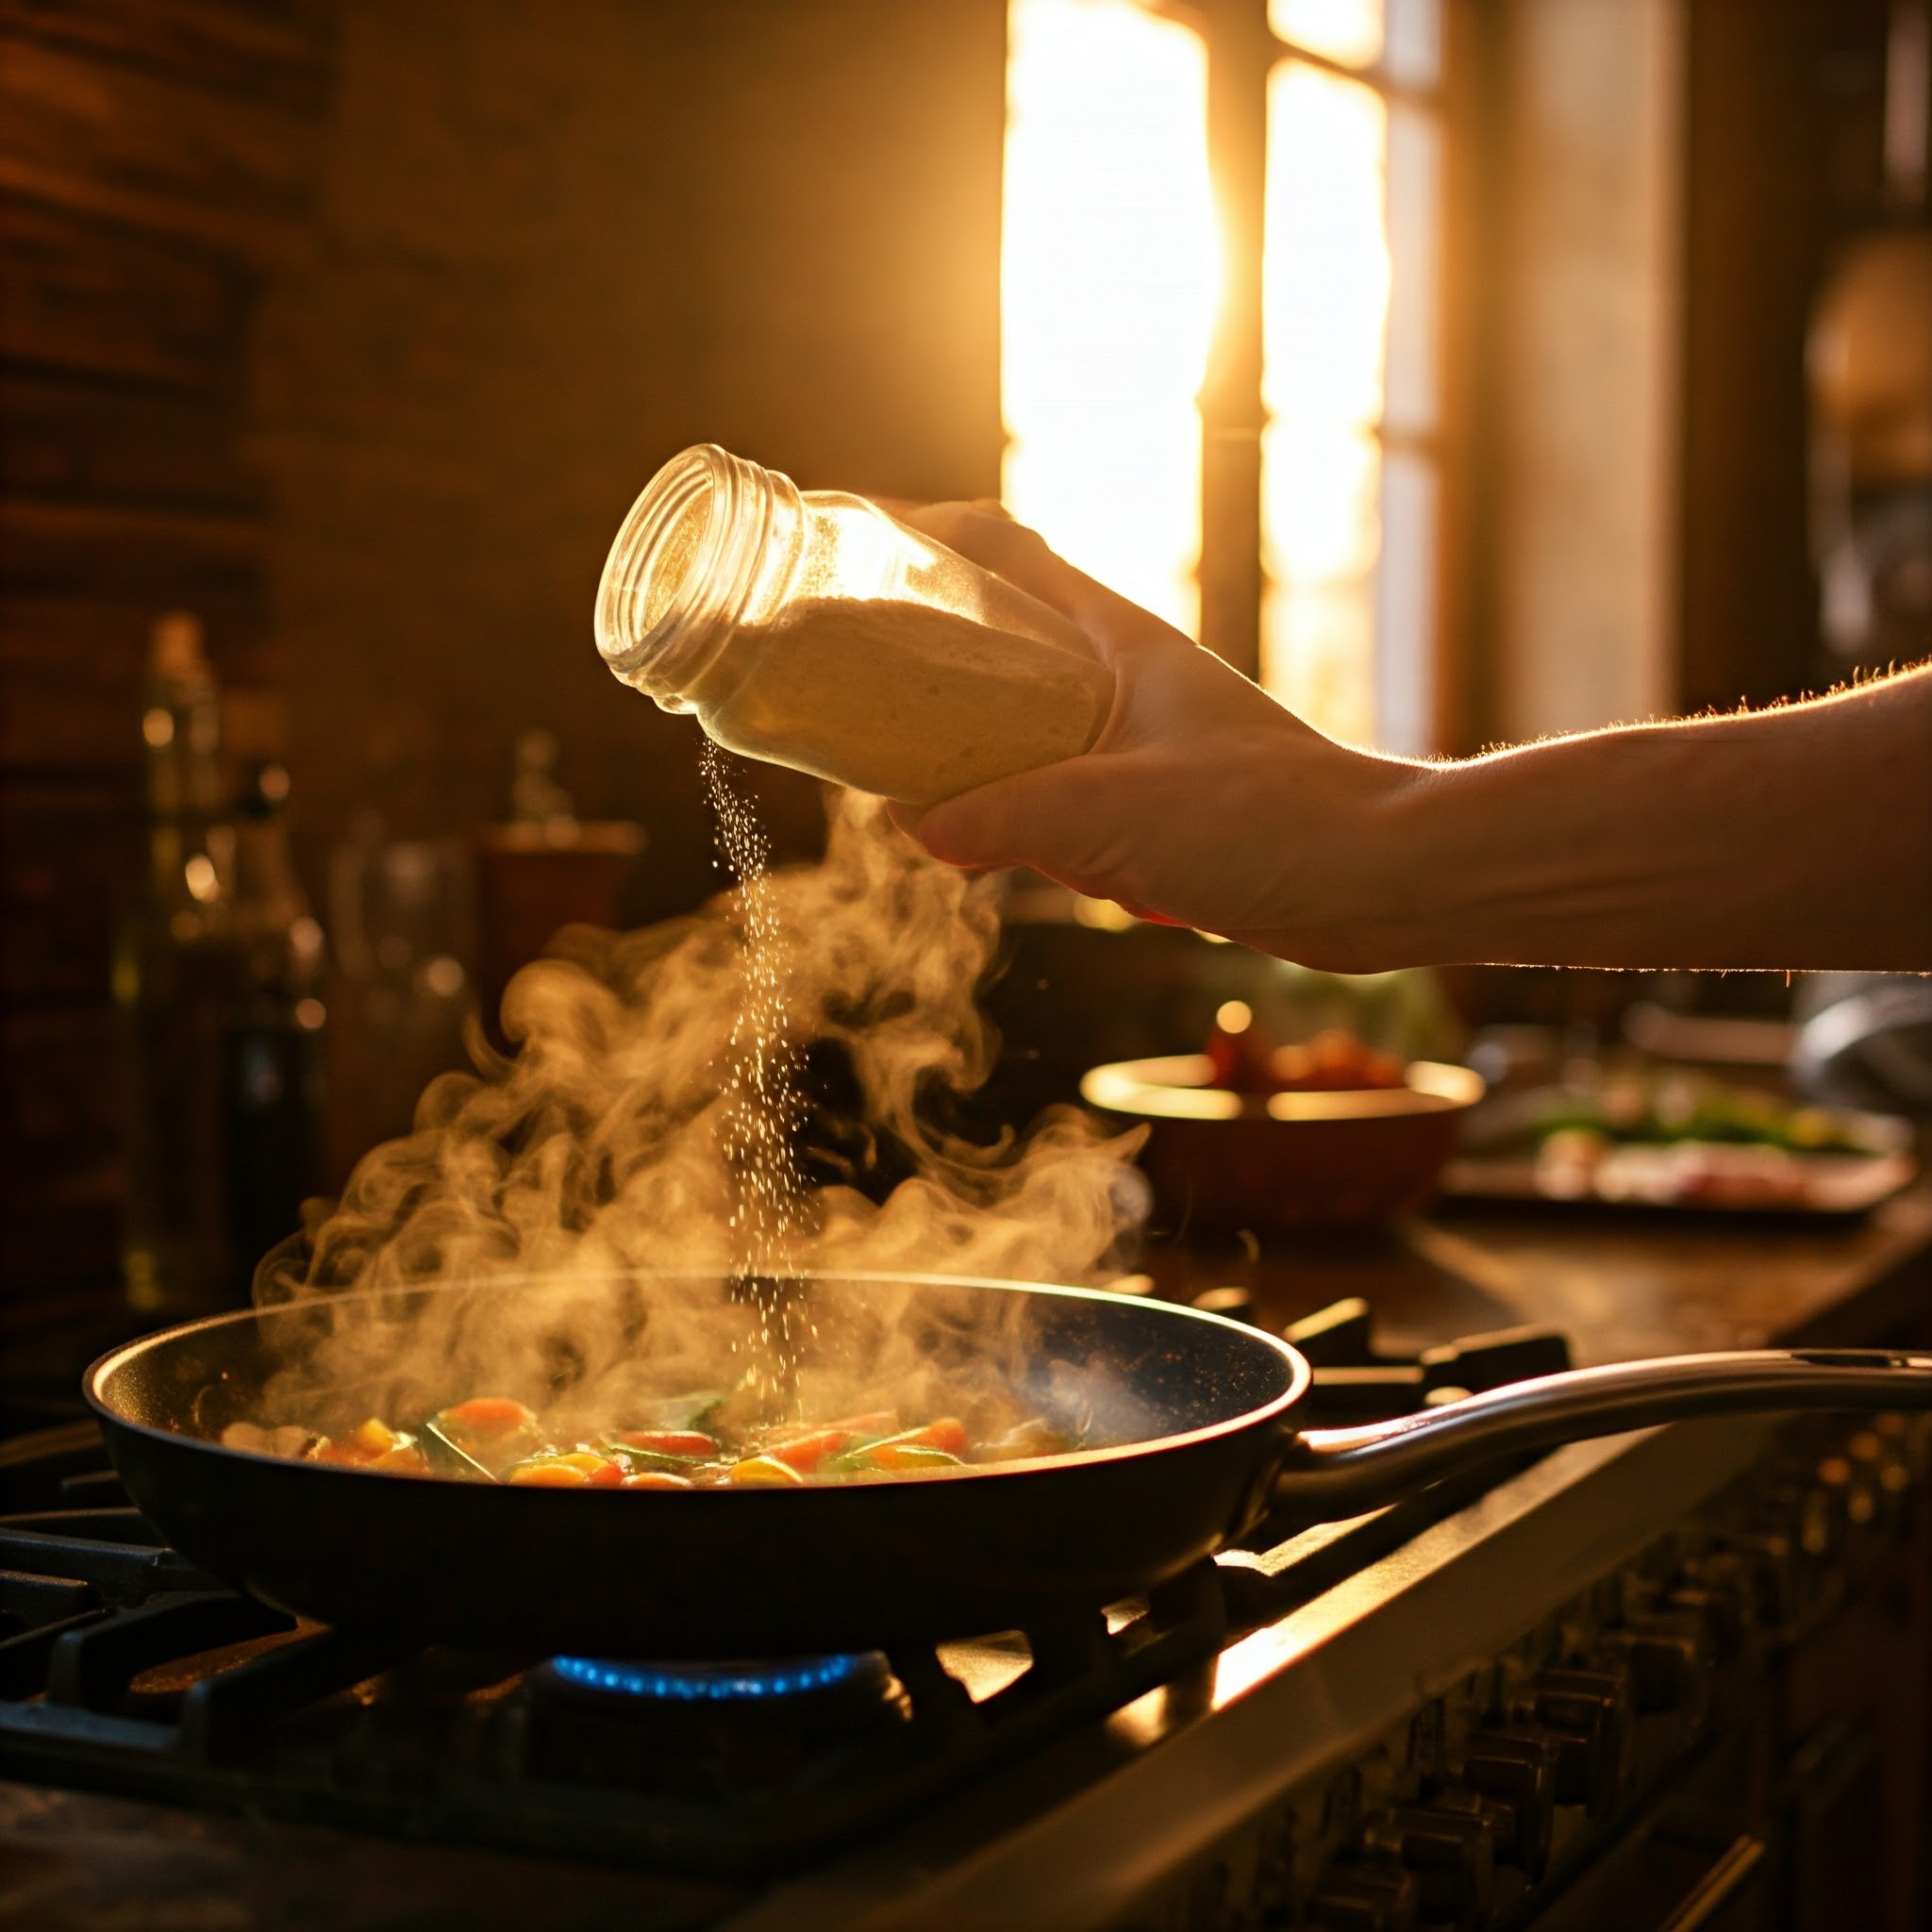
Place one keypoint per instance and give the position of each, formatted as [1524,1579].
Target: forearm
[1792,839]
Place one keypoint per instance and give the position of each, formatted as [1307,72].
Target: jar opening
[664,557]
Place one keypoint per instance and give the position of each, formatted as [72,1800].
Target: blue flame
[707,1683]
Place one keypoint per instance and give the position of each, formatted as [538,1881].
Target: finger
[910,819]
[1024,820]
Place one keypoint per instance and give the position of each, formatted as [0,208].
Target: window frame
[1242,52]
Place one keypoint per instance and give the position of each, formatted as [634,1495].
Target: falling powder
[761,1092]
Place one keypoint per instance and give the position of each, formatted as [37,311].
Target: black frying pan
[1210,1405]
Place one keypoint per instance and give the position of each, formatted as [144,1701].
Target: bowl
[1276,1162]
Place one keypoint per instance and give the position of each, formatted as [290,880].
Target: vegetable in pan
[494,1437]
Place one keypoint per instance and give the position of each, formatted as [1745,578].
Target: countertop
[1620,1285]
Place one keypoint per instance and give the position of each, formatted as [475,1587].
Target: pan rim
[1299,1374]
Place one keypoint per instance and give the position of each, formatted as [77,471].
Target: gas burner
[740,1724]
[776,1680]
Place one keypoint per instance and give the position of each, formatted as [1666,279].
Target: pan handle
[1337,1473]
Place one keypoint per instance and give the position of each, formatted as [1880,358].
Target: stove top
[126,1670]
[1439,1713]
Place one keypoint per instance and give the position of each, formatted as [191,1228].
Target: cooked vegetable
[764,1472]
[495,1439]
[488,1415]
[691,1442]
[572,1468]
[1665,1109]
[805,1453]
[903,1457]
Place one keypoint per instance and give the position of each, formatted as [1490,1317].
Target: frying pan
[1202,1410]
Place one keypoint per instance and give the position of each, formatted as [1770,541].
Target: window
[1129,293]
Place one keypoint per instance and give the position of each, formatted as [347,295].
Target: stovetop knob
[1365,1898]
[1452,1851]
[1667,1658]
[1587,1710]
[1517,1769]
[1482,1362]
[1717,1586]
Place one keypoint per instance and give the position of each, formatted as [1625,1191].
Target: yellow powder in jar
[898,698]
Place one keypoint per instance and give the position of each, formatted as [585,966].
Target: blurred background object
[217,972]
[1872,374]
[179,976]
[273,1060]
[1870,368]
[543,868]
[1865,1040]
[1465,369]
[402,916]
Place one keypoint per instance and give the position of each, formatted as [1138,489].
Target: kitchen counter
[1620,1286]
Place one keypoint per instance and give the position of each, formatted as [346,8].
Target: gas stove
[1350,1726]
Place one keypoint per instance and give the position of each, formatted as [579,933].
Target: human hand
[1202,802]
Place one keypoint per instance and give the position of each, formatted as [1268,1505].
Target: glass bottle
[176,969]
[272,1037]
[810,628]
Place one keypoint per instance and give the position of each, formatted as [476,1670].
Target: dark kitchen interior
[336,338]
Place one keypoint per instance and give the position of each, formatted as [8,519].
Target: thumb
[1011,821]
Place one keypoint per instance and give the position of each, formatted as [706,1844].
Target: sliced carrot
[600,1472]
[947,1432]
[670,1441]
[404,1458]
[548,1474]
[658,1479]
[491,1415]
[764,1472]
[805,1453]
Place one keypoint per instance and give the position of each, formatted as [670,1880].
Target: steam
[604,1173]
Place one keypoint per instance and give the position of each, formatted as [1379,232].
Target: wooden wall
[558,241]
[354,326]
[158,159]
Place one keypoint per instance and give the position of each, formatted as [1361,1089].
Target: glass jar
[810,628]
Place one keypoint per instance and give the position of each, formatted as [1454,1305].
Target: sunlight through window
[1108,283]
[1111,284]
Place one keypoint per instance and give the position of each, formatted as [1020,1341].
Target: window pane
[1405,607]
[1349,31]
[1320,642]
[1324,266]
[1321,536]
[1325,298]
[1108,281]
[1414,53]
[1415,191]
